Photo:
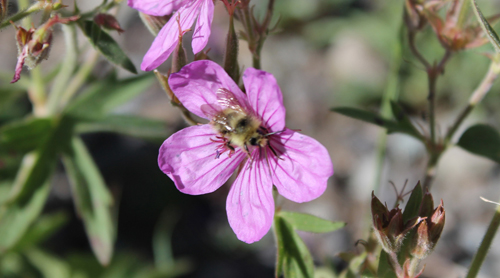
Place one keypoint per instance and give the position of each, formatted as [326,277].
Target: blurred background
[324,54]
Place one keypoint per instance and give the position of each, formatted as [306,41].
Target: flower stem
[482,251]
[393,260]
[67,68]
[25,11]
[478,94]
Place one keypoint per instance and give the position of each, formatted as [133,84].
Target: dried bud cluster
[428,231]
[452,34]
[33,45]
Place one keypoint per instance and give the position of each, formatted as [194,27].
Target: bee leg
[231,148]
[274,152]
[247,151]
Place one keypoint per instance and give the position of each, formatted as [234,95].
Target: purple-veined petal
[250,204]
[196,84]
[188,157]
[168,37]
[264,95]
[203,25]
[302,171]
[156,7]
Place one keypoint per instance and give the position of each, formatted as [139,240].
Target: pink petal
[196,84]
[188,157]
[156,7]
[302,172]
[203,25]
[250,204]
[264,95]
[166,41]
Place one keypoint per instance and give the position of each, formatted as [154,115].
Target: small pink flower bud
[108,21]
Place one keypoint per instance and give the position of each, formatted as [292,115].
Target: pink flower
[200,159]
[168,37]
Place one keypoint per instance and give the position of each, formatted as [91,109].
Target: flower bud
[108,22]
[428,233]
[154,23]
[389,227]
[231,56]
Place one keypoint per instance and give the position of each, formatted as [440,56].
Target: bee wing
[226,99]
[210,110]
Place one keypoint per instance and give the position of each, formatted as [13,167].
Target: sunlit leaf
[92,199]
[294,259]
[482,140]
[102,97]
[103,42]
[490,32]
[310,223]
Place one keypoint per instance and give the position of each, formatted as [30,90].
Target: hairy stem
[485,245]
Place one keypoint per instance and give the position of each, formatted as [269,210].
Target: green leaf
[16,218]
[42,228]
[490,32]
[413,206]
[310,223]
[128,125]
[294,259]
[384,268]
[38,165]
[108,47]
[92,199]
[25,135]
[482,140]
[102,97]
[402,124]
[49,265]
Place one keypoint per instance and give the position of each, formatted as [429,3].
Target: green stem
[37,93]
[25,10]
[79,78]
[462,16]
[485,245]
[67,69]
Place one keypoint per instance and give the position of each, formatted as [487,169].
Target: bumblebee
[237,126]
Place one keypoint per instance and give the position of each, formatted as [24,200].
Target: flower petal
[196,84]
[156,7]
[250,204]
[264,95]
[302,170]
[203,25]
[188,157]
[166,41]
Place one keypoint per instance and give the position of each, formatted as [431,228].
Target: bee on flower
[247,133]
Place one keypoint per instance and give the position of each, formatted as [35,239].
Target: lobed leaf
[482,140]
[92,199]
[108,47]
[310,223]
